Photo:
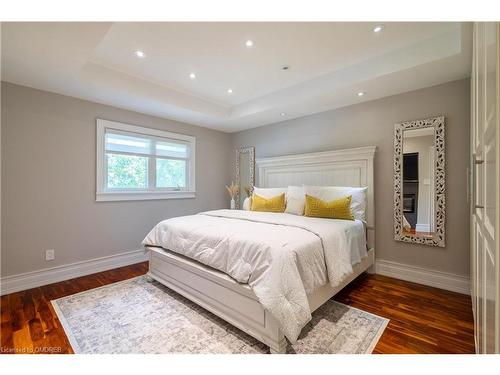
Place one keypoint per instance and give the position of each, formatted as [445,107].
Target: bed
[230,272]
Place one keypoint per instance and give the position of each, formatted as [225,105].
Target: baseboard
[16,283]
[437,279]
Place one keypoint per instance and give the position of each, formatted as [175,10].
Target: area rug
[137,316]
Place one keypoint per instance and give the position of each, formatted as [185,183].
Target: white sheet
[282,257]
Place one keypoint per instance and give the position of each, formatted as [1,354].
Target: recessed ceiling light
[282,114]
[361,93]
[378,28]
[140,54]
[249,43]
[192,75]
[229,91]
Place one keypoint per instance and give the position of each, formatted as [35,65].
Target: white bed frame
[236,303]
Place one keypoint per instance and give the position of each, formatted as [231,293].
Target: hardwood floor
[422,319]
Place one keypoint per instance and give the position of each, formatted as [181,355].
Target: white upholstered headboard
[349,167]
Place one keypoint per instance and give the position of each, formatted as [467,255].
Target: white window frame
[103,194]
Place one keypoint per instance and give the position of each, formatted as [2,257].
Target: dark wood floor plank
[46,316]
[422,319]
[16,310]
[5,309]
[28,306]
[6,339]
[36,331]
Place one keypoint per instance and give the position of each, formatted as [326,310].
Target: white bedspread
[282,257]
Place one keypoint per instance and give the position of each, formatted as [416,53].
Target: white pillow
[329,193]
[269,192]
[295,200]
[247,203]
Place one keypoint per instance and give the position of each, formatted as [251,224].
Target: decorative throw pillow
[295,200]
[275,204]
[329,193]
[336,209]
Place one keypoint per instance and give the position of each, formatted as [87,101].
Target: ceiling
[329,64]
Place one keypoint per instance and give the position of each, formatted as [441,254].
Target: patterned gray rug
[136,316]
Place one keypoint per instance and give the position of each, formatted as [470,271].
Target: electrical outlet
[50,254]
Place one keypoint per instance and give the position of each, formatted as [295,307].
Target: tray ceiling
[329,64]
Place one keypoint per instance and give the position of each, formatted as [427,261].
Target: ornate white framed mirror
[245,173]
[419,181]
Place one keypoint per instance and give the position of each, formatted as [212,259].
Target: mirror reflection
[418,182]
[244,182]
[245,165]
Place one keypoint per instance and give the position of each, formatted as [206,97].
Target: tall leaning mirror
[245,173]
[419,181]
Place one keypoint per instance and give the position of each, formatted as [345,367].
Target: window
[135,163]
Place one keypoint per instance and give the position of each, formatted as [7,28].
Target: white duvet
[282,257]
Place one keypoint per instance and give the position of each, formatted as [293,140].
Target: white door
[484,223]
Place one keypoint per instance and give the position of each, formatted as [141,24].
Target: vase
[233,204]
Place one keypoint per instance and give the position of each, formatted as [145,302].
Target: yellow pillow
[336,209]
[274,204]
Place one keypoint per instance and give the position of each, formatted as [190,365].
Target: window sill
[112,196]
